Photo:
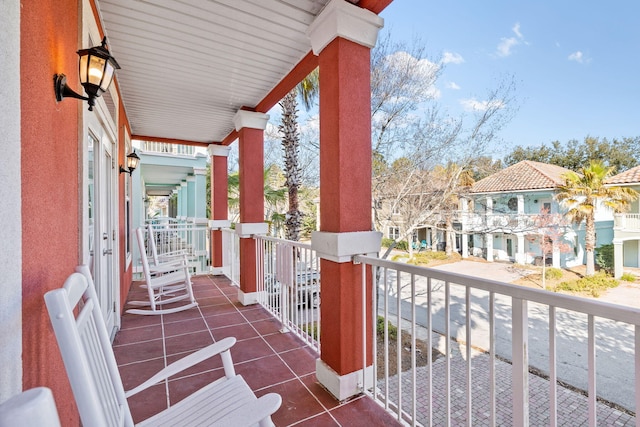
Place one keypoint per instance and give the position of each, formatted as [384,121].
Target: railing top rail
[618,313]
[284,241]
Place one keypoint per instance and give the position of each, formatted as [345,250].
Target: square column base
[342,387]
[248,298]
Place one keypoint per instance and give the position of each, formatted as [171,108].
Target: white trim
[217,224]
[342,386]
[250,119]
[248,298]
[218,150]
[249,229]
[341,247]
[345,20]
[11,208]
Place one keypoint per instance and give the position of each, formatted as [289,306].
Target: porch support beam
[219,202]
[250,127]
[342,35]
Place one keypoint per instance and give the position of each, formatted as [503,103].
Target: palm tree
[273,198]
[307,90]
[583,192]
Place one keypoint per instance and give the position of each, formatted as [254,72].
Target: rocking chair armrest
[254,412]
[169,266]
[189,361]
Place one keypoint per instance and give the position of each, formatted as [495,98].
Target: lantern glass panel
[96,70]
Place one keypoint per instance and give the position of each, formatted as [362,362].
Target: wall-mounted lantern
[97,68]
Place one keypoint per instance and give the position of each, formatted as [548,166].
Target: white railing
[288,276]
[166,148]
[231,255]
[490,335]
[507,222]
[190,238]
[627,222]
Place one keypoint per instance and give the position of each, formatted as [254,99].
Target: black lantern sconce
[132,162]
[97,68]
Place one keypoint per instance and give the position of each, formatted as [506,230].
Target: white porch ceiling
[188,66]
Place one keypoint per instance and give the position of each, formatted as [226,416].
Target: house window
[394,233]
[512,204]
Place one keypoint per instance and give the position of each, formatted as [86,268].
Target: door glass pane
[91,198]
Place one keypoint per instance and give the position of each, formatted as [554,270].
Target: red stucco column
[219,203]
[250,127]
[343,35]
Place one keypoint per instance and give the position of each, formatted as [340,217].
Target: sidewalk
[572,405]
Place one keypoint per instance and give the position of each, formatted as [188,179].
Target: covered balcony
[473,351]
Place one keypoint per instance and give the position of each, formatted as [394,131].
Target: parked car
[306,292]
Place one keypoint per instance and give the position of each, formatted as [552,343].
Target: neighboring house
[501,215]
[626,229]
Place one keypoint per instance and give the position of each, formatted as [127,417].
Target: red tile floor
[270,361]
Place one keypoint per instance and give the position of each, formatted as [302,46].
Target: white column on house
[489,221]
[464,206]
[520,254]
[618,258]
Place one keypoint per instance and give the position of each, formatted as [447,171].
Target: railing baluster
[520,366]
[447,366]
[414,379]
[467,300]
[386,339]
[429,353]
[492,359]
[636,350]
[553,378]
[399,341]
[591,339]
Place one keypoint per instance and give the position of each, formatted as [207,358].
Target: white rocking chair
[165,256]
[97,386]
[166,283]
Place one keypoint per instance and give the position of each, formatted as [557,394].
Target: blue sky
[576,64]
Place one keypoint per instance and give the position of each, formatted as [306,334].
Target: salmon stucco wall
[50,184]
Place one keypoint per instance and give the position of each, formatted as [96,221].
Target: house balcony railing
[504,354]
[175,236]
[627,222]
[497,222]
[166,148]
[490,334]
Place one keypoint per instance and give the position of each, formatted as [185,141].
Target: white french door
[102,222]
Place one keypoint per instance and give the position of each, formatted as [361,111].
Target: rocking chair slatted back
[86,352]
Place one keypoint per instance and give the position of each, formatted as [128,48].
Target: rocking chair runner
[97,387]
[166,283]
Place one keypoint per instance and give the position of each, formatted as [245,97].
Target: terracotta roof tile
[627,177]
[525,175]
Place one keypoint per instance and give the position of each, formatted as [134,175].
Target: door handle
[107,252]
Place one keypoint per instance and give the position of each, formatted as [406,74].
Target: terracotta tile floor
[270,361]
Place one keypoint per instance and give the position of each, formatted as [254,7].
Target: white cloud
[579,57]
[452,85]
[422,68]
[516,30]
[473,104]
[452,58]
[506,45]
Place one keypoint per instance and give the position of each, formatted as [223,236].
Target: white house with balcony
[626,229]
[502,215]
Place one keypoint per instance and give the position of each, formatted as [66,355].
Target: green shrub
[592,285]
[628,277]
[424,257]
[552,273]
[400,245]
[311,329]
[393,331]
[604,257]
